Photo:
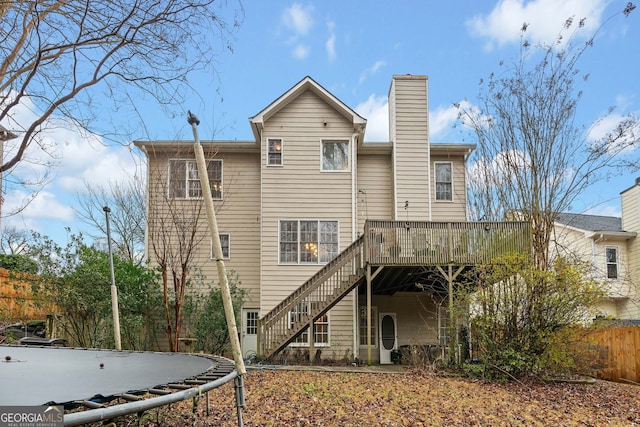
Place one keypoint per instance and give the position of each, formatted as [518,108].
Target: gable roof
[595,226]
[307,83]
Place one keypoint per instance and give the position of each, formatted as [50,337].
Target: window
[252,322]
[444,183]
[297,315]
[611,255]
[335,155]
[321,330]
[274,152]
[225,242]
[184,180]
[443,325]
[321,325]
[308,242]
[363,326]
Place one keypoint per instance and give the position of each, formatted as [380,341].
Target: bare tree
[127,203]
[532,157]
[72,62]
[14,241]
[177,226]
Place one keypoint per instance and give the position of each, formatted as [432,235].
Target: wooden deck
[388,244]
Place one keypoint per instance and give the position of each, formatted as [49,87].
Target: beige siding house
[610,245]
[323,228]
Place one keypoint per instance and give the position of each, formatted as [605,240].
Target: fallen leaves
[303,398]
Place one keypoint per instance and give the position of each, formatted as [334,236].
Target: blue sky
[353,48]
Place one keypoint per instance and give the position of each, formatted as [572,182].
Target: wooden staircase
[314,298]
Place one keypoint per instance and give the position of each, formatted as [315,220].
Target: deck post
[453,339]
[368,314]
[312,339]
[260,351]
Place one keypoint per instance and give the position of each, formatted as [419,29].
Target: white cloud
[545,20]
[72,157]
[621,134]
[376,111]
[441,120]
[37,210]
[331,42]
[298,18]
[604,210]
[372,70]
[301,51]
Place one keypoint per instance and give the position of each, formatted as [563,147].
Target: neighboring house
[610,245]
[323,228]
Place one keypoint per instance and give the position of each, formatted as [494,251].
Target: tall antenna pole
[217,247]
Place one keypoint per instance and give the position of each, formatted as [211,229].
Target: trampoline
[75,377]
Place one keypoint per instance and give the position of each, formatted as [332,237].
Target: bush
[518,314]
[208,320]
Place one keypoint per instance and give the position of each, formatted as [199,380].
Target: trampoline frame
[102,414]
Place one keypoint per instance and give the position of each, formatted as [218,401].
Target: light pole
[114,290]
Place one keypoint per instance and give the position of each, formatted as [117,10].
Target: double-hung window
[335,156]
[308,242]
[225,242]
[320,326]
[184,179]
[274,152]
[611,255]
[444,181]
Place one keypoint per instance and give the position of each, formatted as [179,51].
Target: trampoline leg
[239,382]
[207,403]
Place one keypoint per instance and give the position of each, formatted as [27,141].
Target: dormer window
[335,156]
[274,152]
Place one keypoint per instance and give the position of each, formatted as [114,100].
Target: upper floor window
[274,152]
[225,242]
[184,179]
[611,255]
[308,242]
[335,155]
[444,182]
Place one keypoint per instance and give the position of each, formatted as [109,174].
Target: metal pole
[114,290]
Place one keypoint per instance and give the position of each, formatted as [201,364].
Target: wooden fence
[618,353]
[17,303]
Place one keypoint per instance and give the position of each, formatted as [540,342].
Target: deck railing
[441,243]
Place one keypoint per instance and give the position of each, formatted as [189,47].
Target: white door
[388,336]
[249,332]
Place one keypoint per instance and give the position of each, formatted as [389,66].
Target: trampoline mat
[58,375]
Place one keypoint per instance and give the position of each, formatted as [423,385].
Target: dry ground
[303,398]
